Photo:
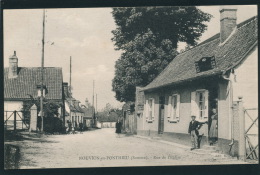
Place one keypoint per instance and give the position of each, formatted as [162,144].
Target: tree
[109,114]
[148,38]
[50,109]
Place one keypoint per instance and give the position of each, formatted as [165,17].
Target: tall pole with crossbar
[42,66]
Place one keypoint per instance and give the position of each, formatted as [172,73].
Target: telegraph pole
[93,109]
[70,73]
[96,103]
[42,66]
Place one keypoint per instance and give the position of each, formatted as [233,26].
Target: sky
[85,35]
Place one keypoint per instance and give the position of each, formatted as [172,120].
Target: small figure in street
[73,130]
[194,133]
[213,131]
[70,127]
[80,127]
[118,127]
[76,126]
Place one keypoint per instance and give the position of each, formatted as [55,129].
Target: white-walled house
[212,74]
[74,113]
[22,83]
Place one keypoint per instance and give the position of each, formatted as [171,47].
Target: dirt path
[101,148]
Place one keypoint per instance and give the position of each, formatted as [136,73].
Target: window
[173,107]
[199,104]
[150,109]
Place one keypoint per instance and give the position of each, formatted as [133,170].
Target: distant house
[88,114]
[23,83]
[74,113]
[212,74]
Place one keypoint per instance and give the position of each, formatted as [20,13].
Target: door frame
[161,115]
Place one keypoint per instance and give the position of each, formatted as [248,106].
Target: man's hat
[193,116]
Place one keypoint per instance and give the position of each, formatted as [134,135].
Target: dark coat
[118,127]
[194,126]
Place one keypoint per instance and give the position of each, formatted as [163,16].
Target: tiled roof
[67,94]
[27,81]
[88,112]
[227,55]
[78,108]
[72,106]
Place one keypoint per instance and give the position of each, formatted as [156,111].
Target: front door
[161,114]
[213,104]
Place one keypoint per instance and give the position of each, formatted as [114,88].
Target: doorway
[213,104]
[161,114]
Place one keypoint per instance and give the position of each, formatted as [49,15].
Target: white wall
[246,84]
[13,105]
[67,108]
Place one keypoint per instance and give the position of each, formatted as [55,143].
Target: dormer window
[39,90]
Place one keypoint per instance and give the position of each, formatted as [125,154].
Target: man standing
[193,131]
[81,127]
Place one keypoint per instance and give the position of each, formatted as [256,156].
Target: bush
[52,125]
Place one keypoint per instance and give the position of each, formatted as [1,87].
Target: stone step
[209,147]
[207,150]
[156,138]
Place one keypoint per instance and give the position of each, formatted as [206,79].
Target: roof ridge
[243,23]
[35,67]
[209,45]
[212,38]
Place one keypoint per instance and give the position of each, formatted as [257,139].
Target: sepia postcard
[130,86]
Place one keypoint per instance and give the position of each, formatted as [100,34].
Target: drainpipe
[231,105]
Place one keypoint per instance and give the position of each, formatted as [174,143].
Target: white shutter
[146,110]
[206,96]
[153,104]
[169,107]
[178,107]
[194,105]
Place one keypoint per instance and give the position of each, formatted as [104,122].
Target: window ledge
[173,120]
[149,121]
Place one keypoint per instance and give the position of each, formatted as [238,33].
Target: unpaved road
[101,148]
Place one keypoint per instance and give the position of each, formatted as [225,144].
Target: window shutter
[169,107]
[178,107]
[194,105]
[146,109]
[206,96]
[153,109]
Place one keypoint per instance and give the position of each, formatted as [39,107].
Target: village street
[101,148]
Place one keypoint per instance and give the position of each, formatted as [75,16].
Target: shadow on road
[13,149]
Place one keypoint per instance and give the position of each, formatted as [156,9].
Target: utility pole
[42,65]
[93,105]
[96,103]
[70,89]
[70,74]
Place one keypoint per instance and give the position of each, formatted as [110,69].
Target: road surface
[101,148]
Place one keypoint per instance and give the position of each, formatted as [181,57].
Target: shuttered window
[149,109]
[173,107]
[199,104]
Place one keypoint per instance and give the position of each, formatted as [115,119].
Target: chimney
[65,89]
[13,66]
[77,103]
[228,21]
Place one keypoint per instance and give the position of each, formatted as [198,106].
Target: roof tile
[182,67]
